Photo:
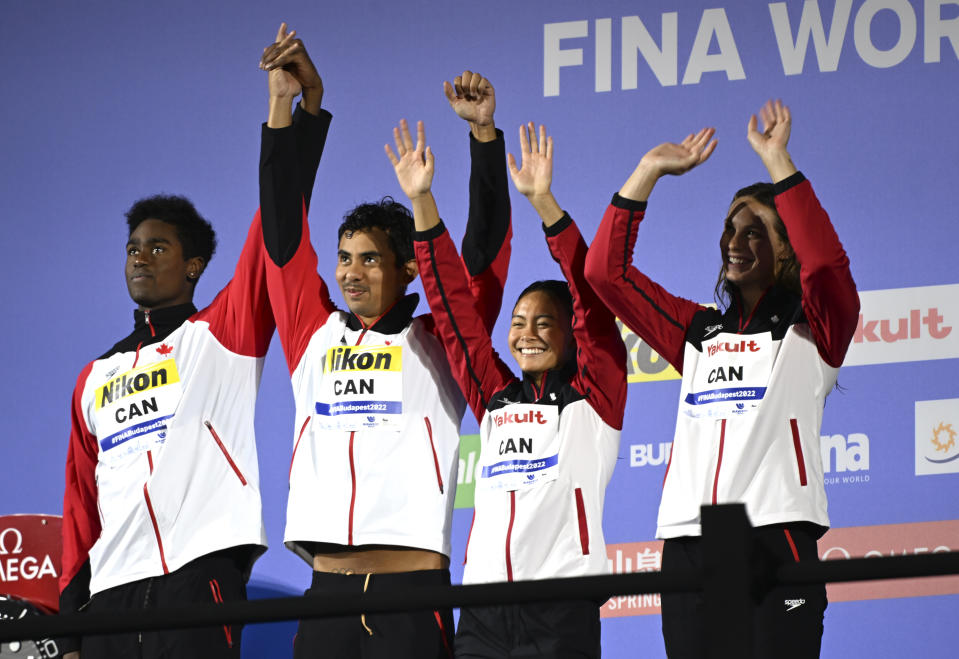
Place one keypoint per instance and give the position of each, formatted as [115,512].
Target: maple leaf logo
[164,349]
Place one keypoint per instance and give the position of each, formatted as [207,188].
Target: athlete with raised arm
[755,375]
[376,445]
[549,438]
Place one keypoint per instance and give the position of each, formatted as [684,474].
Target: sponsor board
[890,540]
[845,458]
[633,557]
[837,544]
[643,364]
[30,558]
[906,325]
[937,436]
[468,471]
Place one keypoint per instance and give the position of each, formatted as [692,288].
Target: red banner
[30,558]
[837,544]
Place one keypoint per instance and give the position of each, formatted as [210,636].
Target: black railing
[725,583]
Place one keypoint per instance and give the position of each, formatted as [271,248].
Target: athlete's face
[750,247]
[540,334]
[157,274]
[368,274]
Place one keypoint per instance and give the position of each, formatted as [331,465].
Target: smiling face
[157,275]
[540,334]
[368,274]
[751,248]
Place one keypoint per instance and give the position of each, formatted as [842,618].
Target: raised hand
[535,175]
[770,145]
[473,98]
[668,158]
[288,55]
[413,164]
[676,159]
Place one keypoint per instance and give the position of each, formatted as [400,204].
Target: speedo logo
[363,358]
[499,418]
[793,604]
[136,381]
[732,346]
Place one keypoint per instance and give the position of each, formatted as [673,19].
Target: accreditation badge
[362,388]
[133,409]
[730,376]
[522,447]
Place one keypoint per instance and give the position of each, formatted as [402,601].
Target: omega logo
[18,547]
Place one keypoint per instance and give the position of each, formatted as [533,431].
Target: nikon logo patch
[363,358]
[136,381]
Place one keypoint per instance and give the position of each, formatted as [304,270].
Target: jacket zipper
[797,445]
[719,459]
[146,604]
[509,533]
[297,445]
[349,533]
[156,529]
[226,454]
[436,462]
[581,517]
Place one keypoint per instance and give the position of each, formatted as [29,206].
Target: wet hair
[195,234]
[392,218]
[787,271]
[558,292]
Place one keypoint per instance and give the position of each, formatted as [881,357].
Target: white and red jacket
[753,389]
[161,466]
[376,444]
[547,452]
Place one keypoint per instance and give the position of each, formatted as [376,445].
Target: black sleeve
[289,158]
[489,211]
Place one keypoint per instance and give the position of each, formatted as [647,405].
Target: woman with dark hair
[755,375]
[549,439]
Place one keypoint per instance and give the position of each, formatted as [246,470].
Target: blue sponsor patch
[519,466]
[726,395]
[128,433]
[360,407]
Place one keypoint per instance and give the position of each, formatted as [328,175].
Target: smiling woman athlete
[549,440]
[755,376]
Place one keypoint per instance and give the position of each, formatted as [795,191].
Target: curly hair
[195,233]
[392,218]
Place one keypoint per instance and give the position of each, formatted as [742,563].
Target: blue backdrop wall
[103,103]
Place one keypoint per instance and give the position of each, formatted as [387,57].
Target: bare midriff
[375,559]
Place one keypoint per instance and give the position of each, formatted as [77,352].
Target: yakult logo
[912,326]
[906,324]
[732,346]
[500,418]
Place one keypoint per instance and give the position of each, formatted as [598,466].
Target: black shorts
[553,630]
[787,620]
[216,577]
[408,634]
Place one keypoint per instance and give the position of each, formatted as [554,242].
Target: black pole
[726,581]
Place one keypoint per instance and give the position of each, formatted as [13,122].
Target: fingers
[389,154]
[449,92]
[523,141]
[542,139]
[469,86]
[281,32]
[280,52]
[420,136]
[511,163]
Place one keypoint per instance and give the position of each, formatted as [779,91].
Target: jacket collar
[164,317]
[393,321]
